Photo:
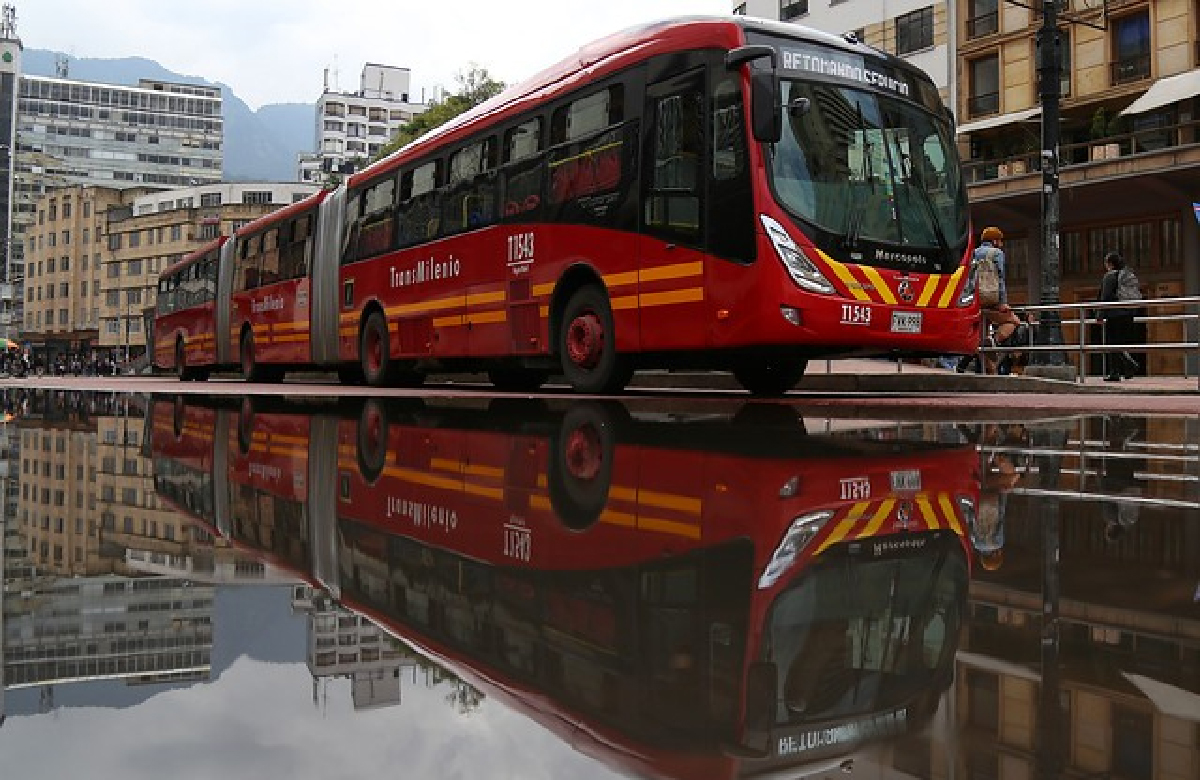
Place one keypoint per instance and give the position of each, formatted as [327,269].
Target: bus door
[671,273]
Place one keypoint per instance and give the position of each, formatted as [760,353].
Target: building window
[983,700]
[1131,48]
[1132,743]
[984,18]
[210,199]
[1064,54]
[985,86]
[792,9]
[914,31]
[256,197]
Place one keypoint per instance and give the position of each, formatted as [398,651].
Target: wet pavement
[217,585]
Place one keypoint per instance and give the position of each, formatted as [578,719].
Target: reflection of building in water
[80,629]
[344,644]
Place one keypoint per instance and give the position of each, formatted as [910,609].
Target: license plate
[908,480]
[906,322]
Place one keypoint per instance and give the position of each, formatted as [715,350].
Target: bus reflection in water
[695,598]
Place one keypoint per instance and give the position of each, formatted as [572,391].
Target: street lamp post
[1050,363]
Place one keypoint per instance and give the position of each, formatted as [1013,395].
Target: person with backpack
[992,292]
[1119,283]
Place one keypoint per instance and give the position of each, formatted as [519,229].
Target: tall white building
[351,127]
[920,31]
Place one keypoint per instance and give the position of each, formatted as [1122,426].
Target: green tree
[474,87]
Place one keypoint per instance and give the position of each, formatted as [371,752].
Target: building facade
[93,255]
[352,127]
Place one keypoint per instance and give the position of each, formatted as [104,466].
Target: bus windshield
[855,636]
[868,167]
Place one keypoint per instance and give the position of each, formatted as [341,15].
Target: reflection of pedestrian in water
[1120,475]
[1000,475]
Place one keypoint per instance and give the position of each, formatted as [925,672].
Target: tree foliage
[474,87]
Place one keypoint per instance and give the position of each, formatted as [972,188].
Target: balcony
[1140,151]
[984,24]
[1130,69]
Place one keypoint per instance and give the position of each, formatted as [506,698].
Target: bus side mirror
[766,119]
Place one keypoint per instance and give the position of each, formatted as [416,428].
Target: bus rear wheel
[372,438]
[587,344]
[181,365]
[770,378]
[581,463]
[375,351]
[252,370]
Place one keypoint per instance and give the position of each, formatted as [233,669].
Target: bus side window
[592,159]
[375,231]
[251,257]
[523,172]
[269,266]
[730,207]
[470,198]
[675,170]
[418,211]
[295,248]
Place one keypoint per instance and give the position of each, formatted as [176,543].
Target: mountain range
[259,145]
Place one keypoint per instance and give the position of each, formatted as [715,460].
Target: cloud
[275,51]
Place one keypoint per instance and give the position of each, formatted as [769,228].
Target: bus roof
[266,220]
[607,55]
[193,256]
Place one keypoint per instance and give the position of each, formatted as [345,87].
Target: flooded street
[260,587]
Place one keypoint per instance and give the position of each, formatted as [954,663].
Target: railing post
[1081,374]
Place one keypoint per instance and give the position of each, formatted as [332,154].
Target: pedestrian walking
[992,291]
[1119,283]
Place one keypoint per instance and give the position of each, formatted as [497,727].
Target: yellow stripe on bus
[951,286]
[676,271]
[619,280]
[931,285]
[689,295]
[852,284]
[880,286]
[291,338]
[948,511]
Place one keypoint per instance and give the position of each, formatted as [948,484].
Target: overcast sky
[276,51]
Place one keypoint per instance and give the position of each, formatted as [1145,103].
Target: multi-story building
[351,127]
[10,271]
[94,254]
[1130,142]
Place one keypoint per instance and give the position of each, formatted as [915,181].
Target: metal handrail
[1082,319]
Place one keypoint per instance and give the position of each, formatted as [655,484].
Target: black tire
[770,378]
[517,379]
[581,463]
[252,370]
[245,426]
[184,372]
[374,352]
[178,415]
[372,438]
[586,344]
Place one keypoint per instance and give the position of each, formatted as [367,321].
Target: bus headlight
[802,531]
[802,270]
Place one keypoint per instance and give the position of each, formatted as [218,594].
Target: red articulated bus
[717,193]
[683,597]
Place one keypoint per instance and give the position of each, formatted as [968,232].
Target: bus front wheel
[770,378]
[587,344]
[252,370]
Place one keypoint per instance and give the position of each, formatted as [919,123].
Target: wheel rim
[584,453]
[585,340]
